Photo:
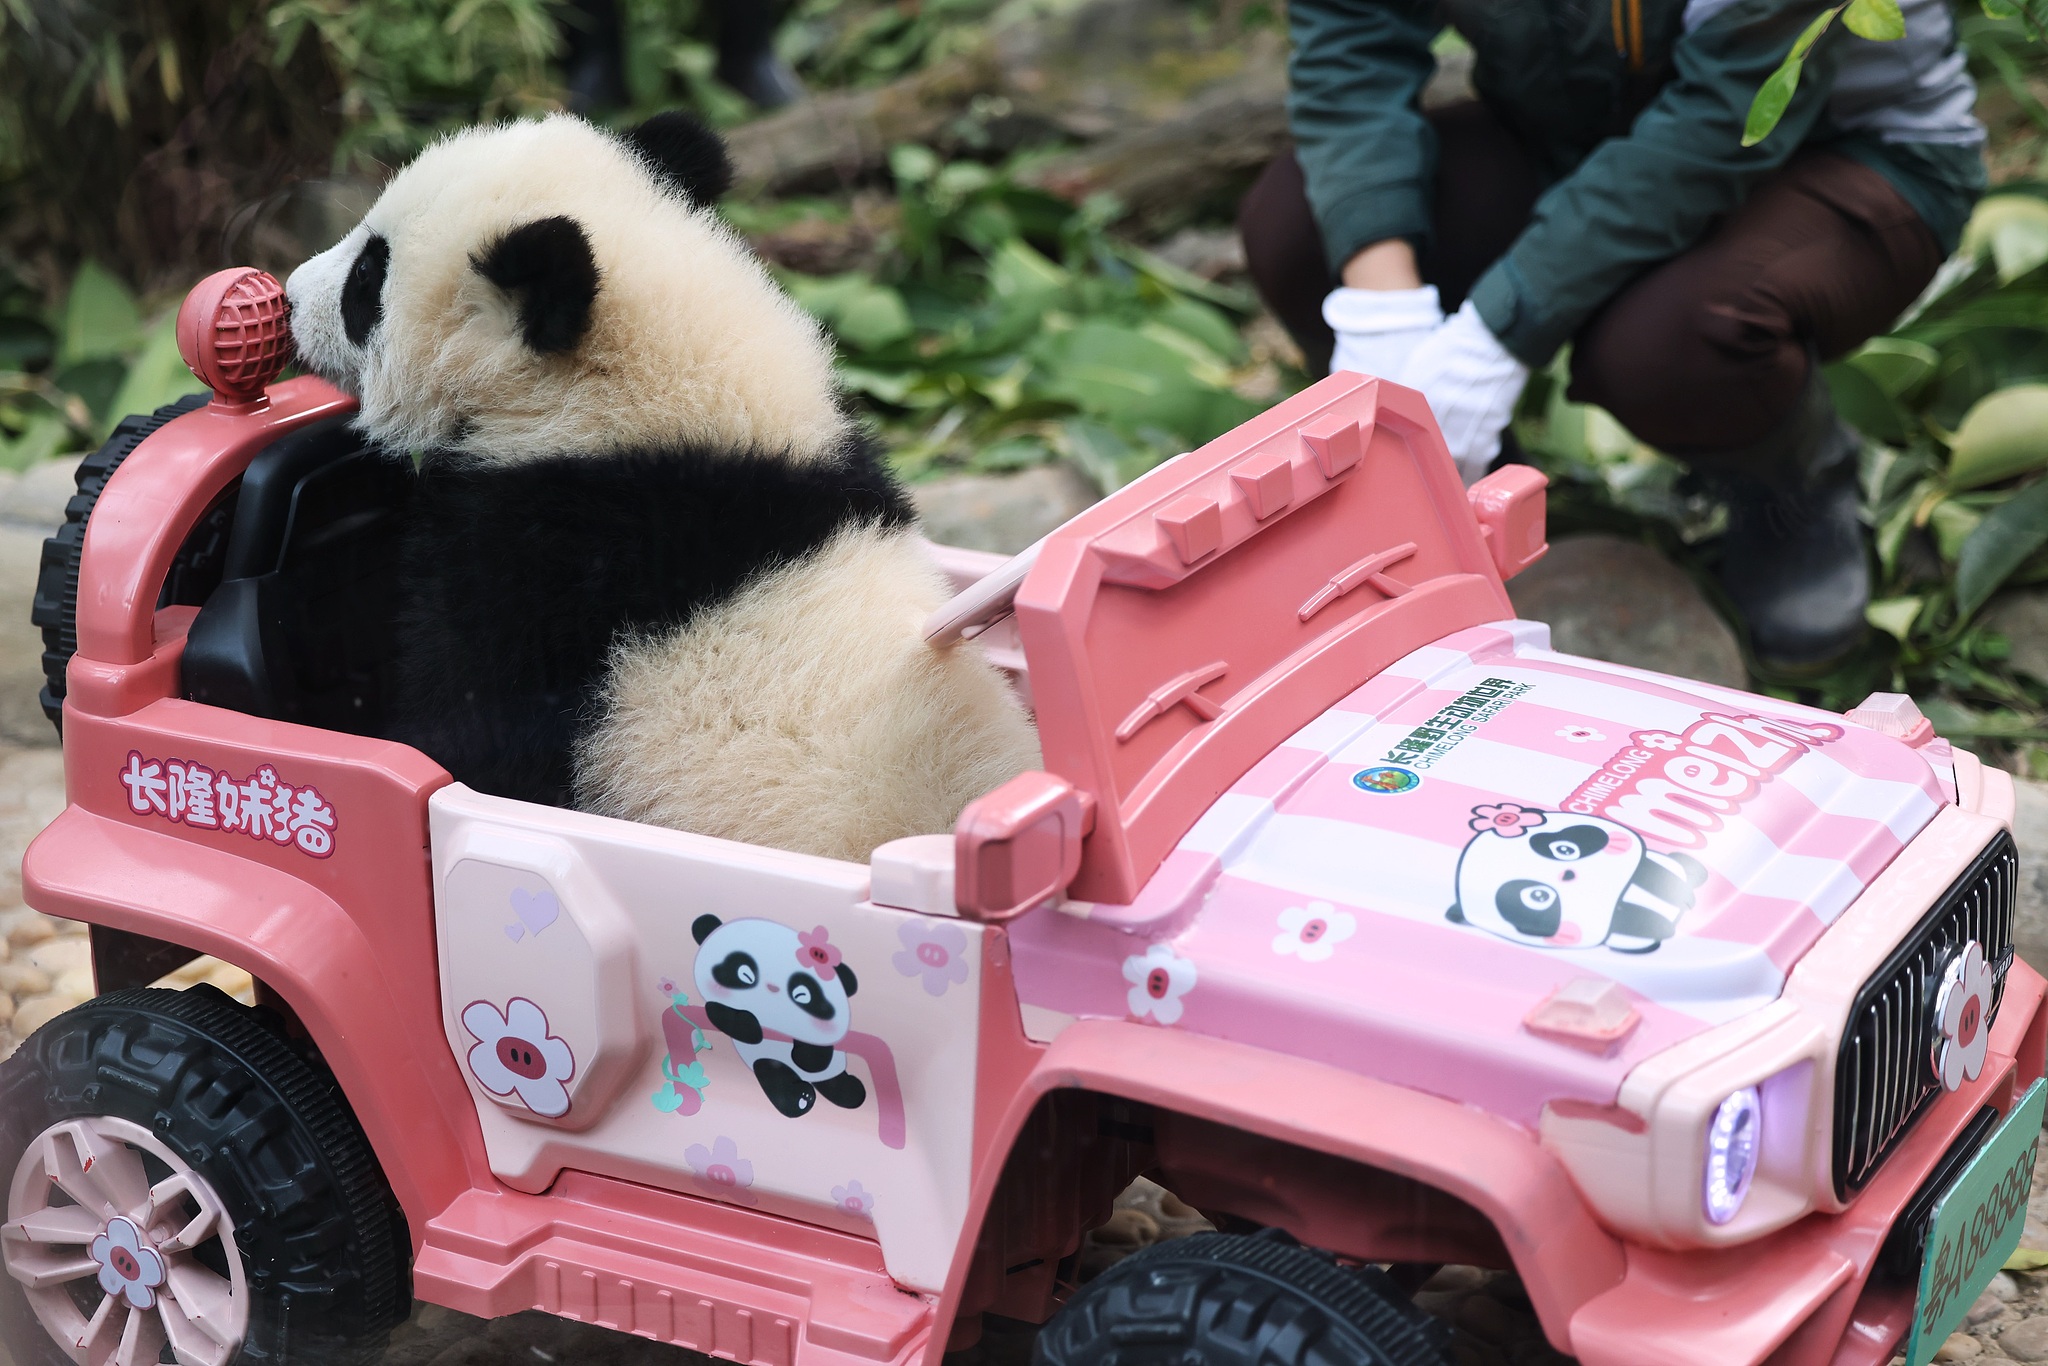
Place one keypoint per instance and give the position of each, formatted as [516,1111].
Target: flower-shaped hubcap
[1962,1017]
[106,1256]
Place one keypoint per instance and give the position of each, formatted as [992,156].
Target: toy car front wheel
[181,1185]
[1218,1299]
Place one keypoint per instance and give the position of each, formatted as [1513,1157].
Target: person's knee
[1684,371]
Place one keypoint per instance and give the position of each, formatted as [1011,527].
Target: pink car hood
[1397,887]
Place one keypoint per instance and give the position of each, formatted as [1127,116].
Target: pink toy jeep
[1366,923]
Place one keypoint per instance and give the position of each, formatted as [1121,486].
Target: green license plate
[1975,1226]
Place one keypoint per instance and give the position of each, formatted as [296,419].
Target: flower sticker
[1662,740]
[515,1055]
[722,1171]
[816,952]
[1159,977]
[129,1270]
[935,950]
[1962,1018]
[1579,735]
[1313,932]
[852,1199]
[1506,819]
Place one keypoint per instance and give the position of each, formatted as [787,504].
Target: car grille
[1884,1077]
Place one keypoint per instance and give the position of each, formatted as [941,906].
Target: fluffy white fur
[690,341]
[717,728]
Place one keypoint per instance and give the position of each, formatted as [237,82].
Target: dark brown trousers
[1702,353]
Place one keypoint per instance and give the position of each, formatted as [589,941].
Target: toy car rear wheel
[181,1184]
[1220,1299]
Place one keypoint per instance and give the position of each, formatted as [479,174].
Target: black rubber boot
[1795,561]
[746,52]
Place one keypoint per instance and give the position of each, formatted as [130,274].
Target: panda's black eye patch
[550,271]
[362,294]
[1531,907]
[1580,841]
[738,971]
[809,997]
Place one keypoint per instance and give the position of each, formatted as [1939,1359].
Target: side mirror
[1019,846]
[1510,506]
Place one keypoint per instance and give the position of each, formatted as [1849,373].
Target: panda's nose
[771,986]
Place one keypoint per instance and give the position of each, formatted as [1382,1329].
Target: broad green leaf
[157,377]
[2005,9]
[2012,229]
[1865,405]
[1132,382]
[1774,97]
[42,438]
[1893,616]
[2023,1258]
[2004,434]
[872,318]
[1206,324]
[1016,270]
[100,318]
[1896,365]
[2000,544]
[1952,522]
[1877,20]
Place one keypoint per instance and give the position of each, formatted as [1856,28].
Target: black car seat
[300,626]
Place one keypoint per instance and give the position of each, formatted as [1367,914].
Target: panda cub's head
[790,983]
[548,288]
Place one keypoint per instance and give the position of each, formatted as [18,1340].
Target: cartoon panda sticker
[1558,880]
[781,997]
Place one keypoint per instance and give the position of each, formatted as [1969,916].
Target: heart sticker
[536,911]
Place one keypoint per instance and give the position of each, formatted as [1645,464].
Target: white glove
[1471,383]
[1377,328]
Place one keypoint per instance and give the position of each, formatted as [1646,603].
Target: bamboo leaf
[1893,616]
[1878,20]
[1774,97]
[2000,544]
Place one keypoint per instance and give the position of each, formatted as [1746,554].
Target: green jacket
[1636,107]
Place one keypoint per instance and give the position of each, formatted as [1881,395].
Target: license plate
[1975,1226]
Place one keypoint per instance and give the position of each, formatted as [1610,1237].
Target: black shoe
[764,78]
[1795,561]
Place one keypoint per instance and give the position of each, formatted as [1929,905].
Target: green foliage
[68,374]
[409,68]
[1004,326]
[1954,405]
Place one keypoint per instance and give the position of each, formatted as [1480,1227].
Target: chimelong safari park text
[1455,720]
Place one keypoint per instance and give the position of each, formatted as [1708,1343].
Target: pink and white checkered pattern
[1405,994]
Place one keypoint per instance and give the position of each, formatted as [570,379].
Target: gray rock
[37,498]
[2022,618]
[2026,1340]
[2030,833]
[1000,512]
[1620,601]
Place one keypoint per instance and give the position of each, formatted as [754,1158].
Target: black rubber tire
[55,608]
[1220,1299]
[323,1241]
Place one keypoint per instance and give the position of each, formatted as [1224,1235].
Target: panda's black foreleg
[737,1024]
[785,1090]
[844,1090]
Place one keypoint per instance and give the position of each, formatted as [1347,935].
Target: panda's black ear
[685,153]
[845,975]
[702,926]
[548,268]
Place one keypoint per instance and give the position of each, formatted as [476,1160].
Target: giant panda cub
[654,568]
[755,976]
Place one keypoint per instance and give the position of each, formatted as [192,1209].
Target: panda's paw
[785,1090]
[844,1090]
[737,1024]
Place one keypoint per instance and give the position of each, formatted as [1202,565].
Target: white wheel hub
[116,1267]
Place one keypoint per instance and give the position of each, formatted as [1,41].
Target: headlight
[1732,1142]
